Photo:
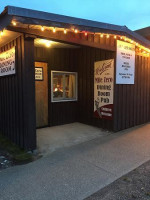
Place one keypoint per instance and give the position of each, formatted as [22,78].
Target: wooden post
[28,80]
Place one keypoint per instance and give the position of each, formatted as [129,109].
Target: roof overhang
[28,17]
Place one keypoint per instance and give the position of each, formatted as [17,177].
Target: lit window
[63,86]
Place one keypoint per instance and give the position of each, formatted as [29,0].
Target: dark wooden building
[52,80]
[145,32]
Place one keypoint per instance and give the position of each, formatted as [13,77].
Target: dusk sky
[135,14]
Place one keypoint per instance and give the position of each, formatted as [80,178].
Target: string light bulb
[1,33]
[107,36]
[76,31]
[102,35]
[14,23]
[54,30]
[115,37]
[42,28]
[85,33]
[65,31]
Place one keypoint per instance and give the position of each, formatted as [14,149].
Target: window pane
[57,85]
[64,86]
[70,86]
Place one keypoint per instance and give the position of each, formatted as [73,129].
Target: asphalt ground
[75,173]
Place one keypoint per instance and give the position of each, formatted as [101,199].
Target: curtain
[71,93]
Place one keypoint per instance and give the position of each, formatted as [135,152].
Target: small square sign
[39,73]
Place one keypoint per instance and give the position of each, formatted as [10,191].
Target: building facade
[57,70]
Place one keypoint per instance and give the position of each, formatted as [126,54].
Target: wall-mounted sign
[125,63]
[7,62]
[39,73]
[103,89]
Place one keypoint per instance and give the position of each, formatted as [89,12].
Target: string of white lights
[139,47]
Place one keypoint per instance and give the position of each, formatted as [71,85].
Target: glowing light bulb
[2,33]
[115,37]
[42,28]
[65,31]
[102,35]
[54,30]
[108,36]
[76,31]
[48,44]
[85,33]
[14,23]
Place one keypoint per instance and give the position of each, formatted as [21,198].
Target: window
[63,86]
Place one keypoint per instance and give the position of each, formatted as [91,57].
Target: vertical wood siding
[11,100]
[132,102]
[15,98]
[86,58]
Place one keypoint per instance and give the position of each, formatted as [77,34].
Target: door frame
[44,61]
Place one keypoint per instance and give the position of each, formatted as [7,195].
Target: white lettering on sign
[7,62]
[125,63]
[38,73]
[103,89]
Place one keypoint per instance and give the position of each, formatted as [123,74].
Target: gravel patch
[134,185]
[5,160]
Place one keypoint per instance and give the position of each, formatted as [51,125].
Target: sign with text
[125,66]
[103,89]
[38,73]
[7,62]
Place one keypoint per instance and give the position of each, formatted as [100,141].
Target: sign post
[103,89]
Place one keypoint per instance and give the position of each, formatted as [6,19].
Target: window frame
[62,99]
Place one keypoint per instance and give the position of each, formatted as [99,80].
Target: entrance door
[41,93]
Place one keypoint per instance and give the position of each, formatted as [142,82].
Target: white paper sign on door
[125,63]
